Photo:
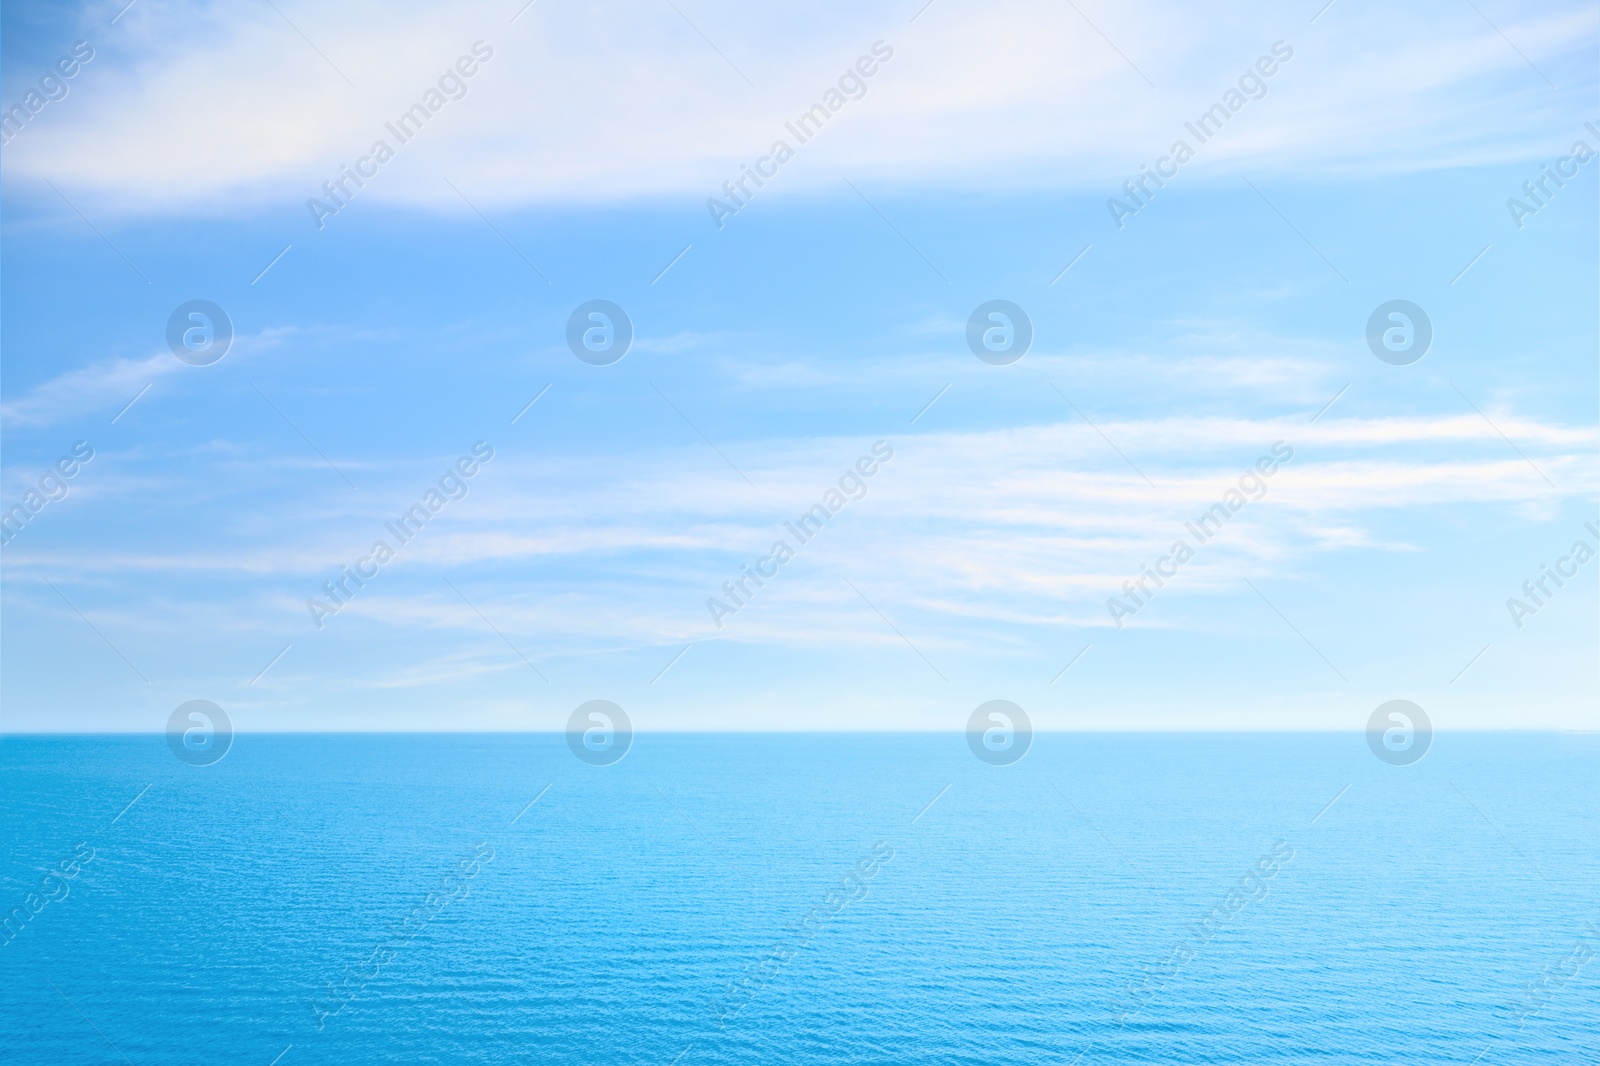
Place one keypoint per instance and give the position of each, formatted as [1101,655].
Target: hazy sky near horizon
[1180,334]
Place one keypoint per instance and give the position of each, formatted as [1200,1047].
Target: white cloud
[194,106]
[991,509]
[112,382]
[88,388]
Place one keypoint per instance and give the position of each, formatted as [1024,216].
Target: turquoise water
[782,898]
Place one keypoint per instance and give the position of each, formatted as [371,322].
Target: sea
[312,900]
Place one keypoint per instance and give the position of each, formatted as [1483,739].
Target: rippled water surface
[805,899]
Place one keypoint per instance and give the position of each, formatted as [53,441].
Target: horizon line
[761,732]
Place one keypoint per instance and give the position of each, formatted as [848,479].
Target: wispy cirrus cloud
[645,108]
[112,383]
[87,388]
[1056,484]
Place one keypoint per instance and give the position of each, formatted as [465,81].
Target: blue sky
[818,320]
